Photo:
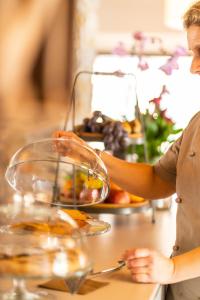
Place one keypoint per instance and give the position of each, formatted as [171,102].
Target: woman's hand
[74,147]
[68,134]
[149,266]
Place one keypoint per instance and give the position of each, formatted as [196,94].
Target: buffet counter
[126,231]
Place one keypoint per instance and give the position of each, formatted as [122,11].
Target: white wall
[118,19]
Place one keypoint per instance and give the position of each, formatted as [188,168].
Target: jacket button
[179,200]
[176,247]
[192,153]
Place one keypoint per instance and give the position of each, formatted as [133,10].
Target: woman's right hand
[149,266]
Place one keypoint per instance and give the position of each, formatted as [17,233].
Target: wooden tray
[125,209]
[91,136]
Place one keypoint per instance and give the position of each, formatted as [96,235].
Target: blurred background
[43,44]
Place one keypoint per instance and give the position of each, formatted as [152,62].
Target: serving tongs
[73,284]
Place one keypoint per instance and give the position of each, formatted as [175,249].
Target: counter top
[126,231]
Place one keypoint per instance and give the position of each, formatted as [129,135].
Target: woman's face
[193,36]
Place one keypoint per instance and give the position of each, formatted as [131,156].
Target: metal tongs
[121,264]
[73,284]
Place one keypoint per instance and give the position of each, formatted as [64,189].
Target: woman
[177,171]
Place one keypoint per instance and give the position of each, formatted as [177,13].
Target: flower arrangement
[141,41]
[159,128]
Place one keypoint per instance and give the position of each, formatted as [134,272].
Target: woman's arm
[187,265]
[137,178]
[149,266]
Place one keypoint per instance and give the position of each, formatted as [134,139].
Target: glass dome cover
[39,242]
[59,171]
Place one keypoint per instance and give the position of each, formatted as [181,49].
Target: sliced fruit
[135,198]
[114,186]
[76,214]
[91,182]
[127,126]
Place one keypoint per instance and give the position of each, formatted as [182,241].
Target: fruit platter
[114,134]
[120,201]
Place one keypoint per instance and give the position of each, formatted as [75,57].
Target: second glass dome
[59,171]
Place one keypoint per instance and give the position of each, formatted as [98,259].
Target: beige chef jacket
[181,166]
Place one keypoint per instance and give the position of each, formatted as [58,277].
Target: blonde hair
[192,15]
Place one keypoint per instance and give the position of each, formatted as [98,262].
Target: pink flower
[143,65]
[180,51]
[140,41]
[120,49]
[163,114]
[139,36]
[169,120]
[156,101]
[167,69]
[170,65]
[173,62]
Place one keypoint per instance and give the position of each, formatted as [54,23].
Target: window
[117,98]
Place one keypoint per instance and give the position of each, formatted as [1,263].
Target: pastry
[58,227]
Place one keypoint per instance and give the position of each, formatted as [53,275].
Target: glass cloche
[59,171]
[39,242]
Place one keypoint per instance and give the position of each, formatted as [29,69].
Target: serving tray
[125,209]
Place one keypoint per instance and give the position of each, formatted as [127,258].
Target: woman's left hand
[69,144]
[149,266]
[69,135]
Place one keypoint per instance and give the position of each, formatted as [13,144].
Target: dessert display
[38,242]
[55,228]
[79,216]
[62,173]
[29,265]
[86,224]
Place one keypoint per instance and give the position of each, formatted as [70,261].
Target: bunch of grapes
[115,137]
[95,123]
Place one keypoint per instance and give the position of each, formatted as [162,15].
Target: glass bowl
[59,171]
[39,242]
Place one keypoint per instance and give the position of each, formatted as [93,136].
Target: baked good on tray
[57,227]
